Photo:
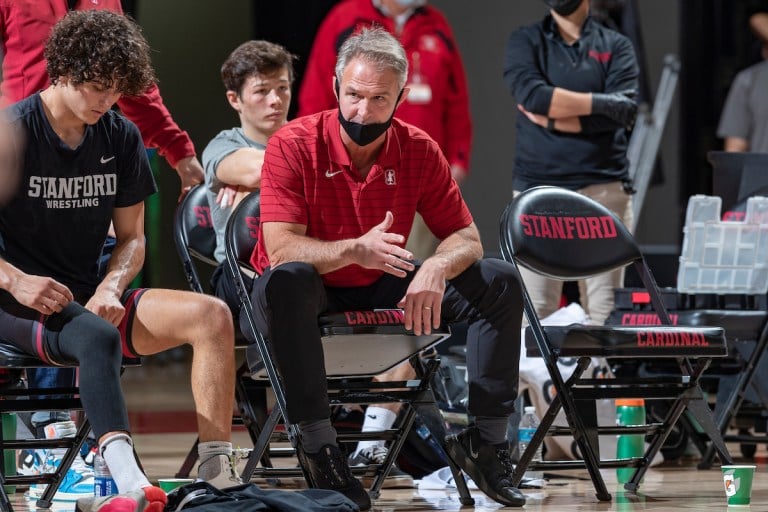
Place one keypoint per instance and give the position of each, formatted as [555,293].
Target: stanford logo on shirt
[72,192]
[389,177]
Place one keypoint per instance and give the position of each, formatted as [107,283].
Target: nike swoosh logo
[105,160]
[472,451]
[372,416]
[329,174]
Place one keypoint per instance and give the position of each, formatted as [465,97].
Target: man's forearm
[458,251]
[325,256]
[124,265]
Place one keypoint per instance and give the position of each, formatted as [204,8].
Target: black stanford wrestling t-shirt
[56,223]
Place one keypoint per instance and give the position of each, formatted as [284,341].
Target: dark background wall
[192,37]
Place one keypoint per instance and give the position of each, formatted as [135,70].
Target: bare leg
[168,318]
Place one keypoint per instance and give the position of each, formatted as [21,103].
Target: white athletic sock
[376,418]
[117,451]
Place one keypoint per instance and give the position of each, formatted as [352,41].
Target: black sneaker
[489,467]
[396,478]
[328,469]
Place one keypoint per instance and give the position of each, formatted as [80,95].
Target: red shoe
[146,499]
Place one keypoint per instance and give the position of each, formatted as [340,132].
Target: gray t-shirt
[221,146]
[745,114]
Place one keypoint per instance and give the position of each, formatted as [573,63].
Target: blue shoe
[30,462]
[77,483]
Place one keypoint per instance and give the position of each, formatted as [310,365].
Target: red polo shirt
[433,60]
[308,179]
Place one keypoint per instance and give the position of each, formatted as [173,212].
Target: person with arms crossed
[84,166]
[574,82]
[339,193]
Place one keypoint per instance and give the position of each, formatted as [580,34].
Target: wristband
[550,124]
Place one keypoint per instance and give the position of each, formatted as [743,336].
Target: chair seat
[738,324]
[577,340]
[354,342]
[13,357]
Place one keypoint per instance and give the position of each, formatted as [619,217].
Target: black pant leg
[287,301]
[489,297]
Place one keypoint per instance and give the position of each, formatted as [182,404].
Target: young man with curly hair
[83,165]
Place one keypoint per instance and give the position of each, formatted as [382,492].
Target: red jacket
[25,25]
[432,53]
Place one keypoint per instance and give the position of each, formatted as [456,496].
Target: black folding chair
[194,235]
[195,241]
[357,346]
[724,277]
[565,235]
[18,398]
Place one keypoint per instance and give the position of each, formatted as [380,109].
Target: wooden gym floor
[161,415]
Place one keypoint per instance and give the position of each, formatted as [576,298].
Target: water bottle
[629,412]
[528,425]
[103,484]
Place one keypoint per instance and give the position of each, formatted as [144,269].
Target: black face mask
[563,7]
[363,134]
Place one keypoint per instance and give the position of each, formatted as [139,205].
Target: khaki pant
[596,293]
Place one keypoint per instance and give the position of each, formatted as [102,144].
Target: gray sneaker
[396,478]
[223,467]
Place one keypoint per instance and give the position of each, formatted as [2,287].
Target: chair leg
[577,425]
[703,415]
[5,503]
[251,401]
[261,445]
[66,462]
[189,461]
[731,407]
[430,416]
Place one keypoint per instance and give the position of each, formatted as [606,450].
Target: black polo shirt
[536,61]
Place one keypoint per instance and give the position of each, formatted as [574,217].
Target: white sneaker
[60,429]
[226,476]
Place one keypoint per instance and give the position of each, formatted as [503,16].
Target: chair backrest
[243,229]
[194,235]
[564,235]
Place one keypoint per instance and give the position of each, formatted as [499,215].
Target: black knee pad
[78,335]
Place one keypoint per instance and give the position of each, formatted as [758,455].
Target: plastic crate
[724,257]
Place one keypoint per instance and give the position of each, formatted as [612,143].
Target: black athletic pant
[289,299]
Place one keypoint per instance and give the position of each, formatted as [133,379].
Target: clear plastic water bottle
[103,484]
[528,425]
